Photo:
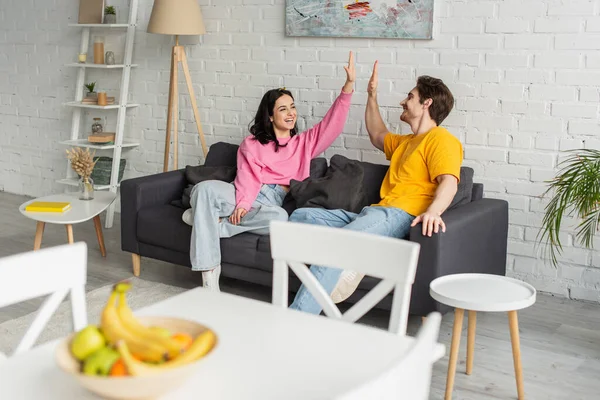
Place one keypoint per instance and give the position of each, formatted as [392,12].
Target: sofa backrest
[225,154]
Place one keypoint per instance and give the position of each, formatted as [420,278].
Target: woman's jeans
[385,221]
[212,200]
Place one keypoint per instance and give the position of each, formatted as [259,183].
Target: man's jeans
[385,221]
[212,200]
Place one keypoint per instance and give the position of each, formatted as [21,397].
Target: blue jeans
[214,199]
[385,221]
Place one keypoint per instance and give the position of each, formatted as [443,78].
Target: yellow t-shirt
[415,163]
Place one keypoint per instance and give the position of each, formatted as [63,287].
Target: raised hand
[373,82]
[350,74]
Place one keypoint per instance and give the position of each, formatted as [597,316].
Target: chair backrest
[410,376]
[55,271]
[394,261]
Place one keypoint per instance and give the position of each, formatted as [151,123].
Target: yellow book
[48,206]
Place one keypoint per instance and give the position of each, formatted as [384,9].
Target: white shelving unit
[79,134]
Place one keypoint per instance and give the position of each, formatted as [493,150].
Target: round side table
[482,292]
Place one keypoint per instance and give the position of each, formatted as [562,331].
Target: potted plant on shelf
[575,191]
[110,15]
[82,162]
[91,90]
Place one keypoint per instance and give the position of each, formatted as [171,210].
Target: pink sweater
[259,164]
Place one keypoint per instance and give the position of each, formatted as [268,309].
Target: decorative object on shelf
[97,125]
[109,58]
[110,15]
[182,17]
[98,50]
[364,19]
[82,162]
[101,173]
[82,57]
[102,138]
[102,99]
[91,91]
[90,11]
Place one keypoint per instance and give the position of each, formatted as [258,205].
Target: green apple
[160,330]
[87,341]
[100,362]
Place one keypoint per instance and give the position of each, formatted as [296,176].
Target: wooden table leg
[456,332]
[69,233]
[39,232]
[471,341]
[98,226]
[513,323]
[137,260]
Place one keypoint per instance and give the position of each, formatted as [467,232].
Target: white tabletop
[264,352]
[80,211]
[482,292]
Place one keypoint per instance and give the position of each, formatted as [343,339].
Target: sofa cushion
[318,167]
[200,173]
[162,226]
[464,192]
[340,188]
[222,154]
[373,177]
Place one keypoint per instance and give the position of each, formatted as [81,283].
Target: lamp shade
[176,17]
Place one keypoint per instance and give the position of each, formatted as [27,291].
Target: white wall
[525,74]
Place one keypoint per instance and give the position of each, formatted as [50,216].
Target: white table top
[264,352]
[482,292]
[80,211]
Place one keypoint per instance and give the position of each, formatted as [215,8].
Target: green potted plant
[575,192]
[110,15]
[91,90]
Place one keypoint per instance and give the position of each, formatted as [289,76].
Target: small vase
[86,188]
[110,18]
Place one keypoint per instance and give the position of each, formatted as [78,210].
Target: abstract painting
[403,19]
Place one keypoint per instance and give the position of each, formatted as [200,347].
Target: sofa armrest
[475,241]
[144,192]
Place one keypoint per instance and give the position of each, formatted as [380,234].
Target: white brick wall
[524,73]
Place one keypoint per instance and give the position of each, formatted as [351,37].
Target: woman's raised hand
[350,75]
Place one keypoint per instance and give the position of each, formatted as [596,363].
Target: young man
[420,183]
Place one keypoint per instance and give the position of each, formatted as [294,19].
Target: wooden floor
[560,339]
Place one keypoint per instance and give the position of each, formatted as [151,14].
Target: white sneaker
[347,284]
[210,279]
[187,217]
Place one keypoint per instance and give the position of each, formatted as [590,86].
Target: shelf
[84,143]
[96,107]
[100,25]
[75,182]
[101,66]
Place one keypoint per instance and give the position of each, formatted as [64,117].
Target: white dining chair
[407,378]
[54,271]
[394,261]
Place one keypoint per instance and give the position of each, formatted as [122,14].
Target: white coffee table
[80,211]
[482,292]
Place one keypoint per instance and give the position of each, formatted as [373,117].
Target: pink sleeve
[247,181]
[319,137]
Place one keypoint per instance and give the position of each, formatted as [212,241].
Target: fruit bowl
[135,387]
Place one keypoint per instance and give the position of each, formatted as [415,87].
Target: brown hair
[434,89]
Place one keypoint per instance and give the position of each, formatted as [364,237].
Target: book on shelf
[48,206]
[94,100]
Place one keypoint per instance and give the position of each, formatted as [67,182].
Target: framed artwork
[402,19]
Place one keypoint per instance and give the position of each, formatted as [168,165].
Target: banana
[131,323]
[199,348]
[114,331]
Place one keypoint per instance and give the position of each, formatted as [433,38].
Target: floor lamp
[178,17]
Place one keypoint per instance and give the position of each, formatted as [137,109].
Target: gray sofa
[475,240]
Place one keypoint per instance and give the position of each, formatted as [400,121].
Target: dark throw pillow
[200,173]
[465,188]
[340,188]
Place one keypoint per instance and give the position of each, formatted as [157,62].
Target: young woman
[266,162]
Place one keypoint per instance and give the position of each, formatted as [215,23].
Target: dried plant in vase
[82,162]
